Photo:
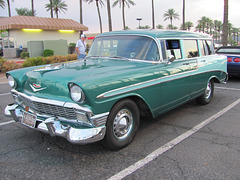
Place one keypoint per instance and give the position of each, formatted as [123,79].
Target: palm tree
[153,19]
[170,14]
[97,5]
[225,24]
[183,25]
[109,15]
[170,26]
[235,32]
[217,29]
[81,15]
[51,8]
[203,22]
[188,25]
[9,8]
[2,4]
[122,4]
[159,26]
[57,6]
[24,12]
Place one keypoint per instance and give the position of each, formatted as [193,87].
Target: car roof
[159,34]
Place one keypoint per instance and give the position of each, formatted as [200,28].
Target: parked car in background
[126,75]
[233,59]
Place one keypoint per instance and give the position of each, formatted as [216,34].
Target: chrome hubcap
[208,91]
[123,123]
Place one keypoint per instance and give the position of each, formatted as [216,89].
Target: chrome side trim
[113,92]
[142,84]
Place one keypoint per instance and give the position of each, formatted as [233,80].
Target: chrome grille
[49,109]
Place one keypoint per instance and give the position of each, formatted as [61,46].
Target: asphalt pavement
[190,142]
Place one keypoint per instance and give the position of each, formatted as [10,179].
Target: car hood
[93,74]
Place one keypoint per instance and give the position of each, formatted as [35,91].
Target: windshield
[229,50]
[130,47]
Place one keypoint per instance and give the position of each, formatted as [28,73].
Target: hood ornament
[51,67]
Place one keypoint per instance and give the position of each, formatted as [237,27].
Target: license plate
[29,120]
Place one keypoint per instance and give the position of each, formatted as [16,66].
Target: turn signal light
[237,60]
[229,59]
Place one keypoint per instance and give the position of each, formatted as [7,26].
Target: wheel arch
[143,107]
[215,79]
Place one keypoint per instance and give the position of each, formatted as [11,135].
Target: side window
[209,44]
[190,48]
[173,48]
[204,48]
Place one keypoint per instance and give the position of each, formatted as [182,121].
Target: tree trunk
[153,18]
[109,15]
[51,8]
[225,24]
[99,16]
[81,18]
[123,14]
[9,9]
[32,8]
[183,14]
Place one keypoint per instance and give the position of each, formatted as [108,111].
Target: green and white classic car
[126,75]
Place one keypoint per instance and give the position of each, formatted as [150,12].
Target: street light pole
[139,19]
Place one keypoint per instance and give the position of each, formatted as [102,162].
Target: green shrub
[72,45]
[48,60]
[48,52]
[2,61]
[24,55]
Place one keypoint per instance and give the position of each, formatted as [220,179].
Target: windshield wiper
[93,57]
[119,57]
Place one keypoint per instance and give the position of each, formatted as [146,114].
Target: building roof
[31,22]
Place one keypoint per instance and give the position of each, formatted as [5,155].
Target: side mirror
[171,58]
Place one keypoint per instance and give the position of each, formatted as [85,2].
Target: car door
[200,77]
[175,77]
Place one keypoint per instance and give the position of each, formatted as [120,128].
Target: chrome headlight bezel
[76,93]
[11,81]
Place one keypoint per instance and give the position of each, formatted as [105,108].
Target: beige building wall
[21,37]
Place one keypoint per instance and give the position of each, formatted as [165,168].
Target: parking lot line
[4,94]
[5,123]
[131,169]
[233,89]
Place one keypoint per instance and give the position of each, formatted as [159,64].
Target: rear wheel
[122,124]
[208,94]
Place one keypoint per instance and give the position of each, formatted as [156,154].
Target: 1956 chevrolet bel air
[126,75]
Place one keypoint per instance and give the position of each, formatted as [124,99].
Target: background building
[16,32]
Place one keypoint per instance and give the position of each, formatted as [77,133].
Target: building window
[8,42]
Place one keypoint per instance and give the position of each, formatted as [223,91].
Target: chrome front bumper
[55,127]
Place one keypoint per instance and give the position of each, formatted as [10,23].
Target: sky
[195,9]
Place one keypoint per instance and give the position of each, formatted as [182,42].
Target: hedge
[7,66]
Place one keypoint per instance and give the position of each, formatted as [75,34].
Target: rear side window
[209,44]
[190,48]
[205,48]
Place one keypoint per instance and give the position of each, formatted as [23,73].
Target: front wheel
[122,124]
[208,94]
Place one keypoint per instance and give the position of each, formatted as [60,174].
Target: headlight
[11,81]
[76,93]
